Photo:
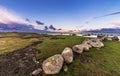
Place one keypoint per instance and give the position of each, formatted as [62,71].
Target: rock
[101,44]
[87,41]
[36,72]
[86,47]
[101,39]
[96,43]
[65,68]
[115,38]
[100,36]
[68,55]
[109,38]
[53,64]
[34,59]
[78,49]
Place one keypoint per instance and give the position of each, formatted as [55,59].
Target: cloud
[46,28]
[39,23]
[7,16]
[28,20]
[115,23]
[115,13]
[52,27]
[61,30]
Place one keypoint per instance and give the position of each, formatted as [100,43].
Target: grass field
[103,62]
[11,44]
[50,47]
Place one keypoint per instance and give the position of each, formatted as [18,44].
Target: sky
[65,14]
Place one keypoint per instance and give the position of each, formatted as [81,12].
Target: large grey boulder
[67,55]
[96,43]
[87,41]
[109,38]
[100,43]
[78,49]
[53,64]
[86,47]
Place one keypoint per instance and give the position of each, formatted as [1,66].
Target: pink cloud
[115,23]
[7,16]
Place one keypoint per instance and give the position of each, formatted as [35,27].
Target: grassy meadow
[11,44]
[103,62]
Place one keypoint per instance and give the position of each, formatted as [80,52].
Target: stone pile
[54,64]
[103,37]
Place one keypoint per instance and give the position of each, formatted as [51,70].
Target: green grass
[103,62]
[8,45]
[50,47]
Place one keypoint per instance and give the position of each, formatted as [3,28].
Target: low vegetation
[50,46]
[11,44]
[102,62]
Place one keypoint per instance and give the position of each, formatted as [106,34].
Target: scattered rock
[96,43]
[100,36]
[86,41]
[103,38]
[53,64]
[78,49]
[36,72]
[86,47]
[68,55]
[34,59]
[65,68]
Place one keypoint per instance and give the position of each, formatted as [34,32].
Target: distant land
[105,30]
[18,27]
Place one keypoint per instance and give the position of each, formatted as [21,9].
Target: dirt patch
[21,62]
[82,58]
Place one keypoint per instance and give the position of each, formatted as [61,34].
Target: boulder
[53,64]
[78,49]
[67,55]
[115,38]
[87,41]
[100,36]
[96,43]
[101,44]
[109,38]
[86,47]
[101,39]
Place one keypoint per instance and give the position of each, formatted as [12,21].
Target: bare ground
[21,62]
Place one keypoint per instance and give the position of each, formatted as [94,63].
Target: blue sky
[67,14]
